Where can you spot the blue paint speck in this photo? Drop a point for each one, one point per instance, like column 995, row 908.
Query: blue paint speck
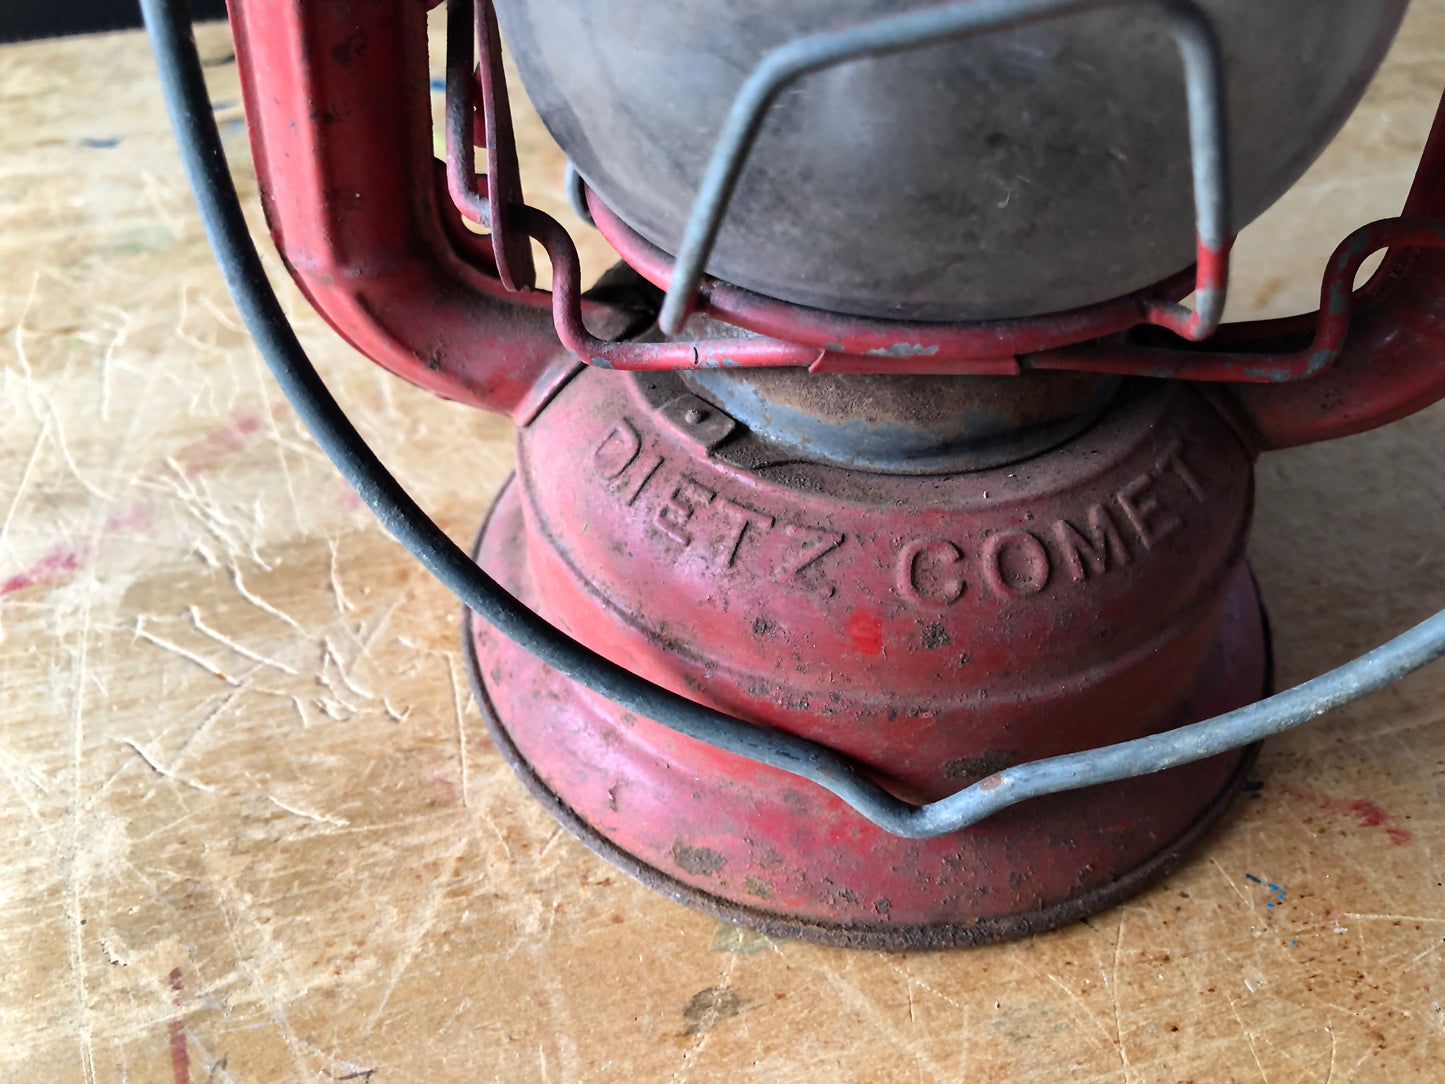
column 438, row 85
column 1278, row 891
column 226, row 103
column 101, row 144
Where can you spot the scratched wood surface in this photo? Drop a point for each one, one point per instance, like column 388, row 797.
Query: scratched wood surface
column 253, row 830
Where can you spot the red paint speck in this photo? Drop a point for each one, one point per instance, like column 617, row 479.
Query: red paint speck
column 131, row 519
column 865, row 633
column 1365, row 812
column 218, row 444
column 55, row 567
column 63, row 560
column 445, row 784
column 180, row 1056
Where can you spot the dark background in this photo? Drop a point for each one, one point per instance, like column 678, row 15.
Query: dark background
column 22, row 19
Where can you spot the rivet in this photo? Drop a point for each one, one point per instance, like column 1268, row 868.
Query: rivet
column 695, row 415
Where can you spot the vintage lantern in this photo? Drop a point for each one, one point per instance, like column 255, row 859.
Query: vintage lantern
column 873, row 570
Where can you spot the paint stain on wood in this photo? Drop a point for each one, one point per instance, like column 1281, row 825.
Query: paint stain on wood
column 221, row 442
column 708, row 1008
column 55, row 567
column 1366, row 813
column 180, row 1056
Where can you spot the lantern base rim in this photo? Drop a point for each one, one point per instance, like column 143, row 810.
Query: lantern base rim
column 882, row 935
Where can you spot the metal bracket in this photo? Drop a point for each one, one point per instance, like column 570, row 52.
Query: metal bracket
column 1086, row 339
column 1199, row 49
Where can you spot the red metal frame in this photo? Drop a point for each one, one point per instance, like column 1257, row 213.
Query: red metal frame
column 488, row 124
column 1392, row 361
column 342, row 144
column 340, row 126
column 842, row 343
column 932, row 628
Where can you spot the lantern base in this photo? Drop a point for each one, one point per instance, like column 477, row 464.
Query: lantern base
column 1119, row 837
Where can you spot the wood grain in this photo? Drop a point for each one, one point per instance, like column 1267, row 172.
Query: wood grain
column 254, row 831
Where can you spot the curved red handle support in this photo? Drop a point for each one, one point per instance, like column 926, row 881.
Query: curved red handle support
column 336, row 98
column 1392, row 362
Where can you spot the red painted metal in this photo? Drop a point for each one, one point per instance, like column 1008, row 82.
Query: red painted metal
column 934, row 629
column 1077, row 341
column 1211, row 278
column 492, row 125
column 1411, row 301
column 352, row 202
column 567, row 313
column 856, row 344
column 340, row 124
column 1393, row 361
column 931, row 627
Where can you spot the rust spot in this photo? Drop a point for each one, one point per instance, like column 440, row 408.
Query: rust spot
column 352, row 45
column 767, row 857
column 756, row 886
column 986, row 763
column 936, row 636
column 699, row 861
column 797, row 802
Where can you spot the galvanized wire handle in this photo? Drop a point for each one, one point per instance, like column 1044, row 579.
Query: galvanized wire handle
column 184, row 88
column 1199, row 49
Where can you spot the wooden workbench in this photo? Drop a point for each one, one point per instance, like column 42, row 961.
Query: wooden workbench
column 253, row 830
